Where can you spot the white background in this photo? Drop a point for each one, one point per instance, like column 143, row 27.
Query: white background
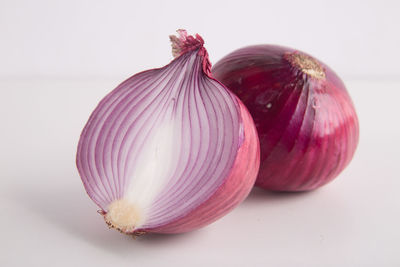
column 59, row 58
column 81, row 38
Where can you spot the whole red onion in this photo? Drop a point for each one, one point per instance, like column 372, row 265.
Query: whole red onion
column 306, row 121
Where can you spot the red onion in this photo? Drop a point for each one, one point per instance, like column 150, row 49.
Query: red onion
column 306, row 121
column 170, row 149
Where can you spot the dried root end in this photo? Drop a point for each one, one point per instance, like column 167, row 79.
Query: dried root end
column 306, row 64
column 122, row 216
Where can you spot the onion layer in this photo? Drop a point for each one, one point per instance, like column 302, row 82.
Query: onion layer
column 170, row 149
column 306, row 121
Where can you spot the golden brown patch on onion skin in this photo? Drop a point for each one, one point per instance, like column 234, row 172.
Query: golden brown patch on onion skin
column 306, row 64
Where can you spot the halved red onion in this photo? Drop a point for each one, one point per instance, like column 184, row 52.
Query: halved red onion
column 306, row 121
column 170, row 149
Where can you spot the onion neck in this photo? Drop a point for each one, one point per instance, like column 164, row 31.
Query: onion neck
column 184, row 43
column 306, row 64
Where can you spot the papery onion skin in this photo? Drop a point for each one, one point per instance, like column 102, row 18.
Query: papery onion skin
column 186, row 107
column 306, row 121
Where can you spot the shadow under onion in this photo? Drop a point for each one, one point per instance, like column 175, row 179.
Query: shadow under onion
column 70, row 210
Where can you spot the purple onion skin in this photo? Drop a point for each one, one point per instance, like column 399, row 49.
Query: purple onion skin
column 306, row 121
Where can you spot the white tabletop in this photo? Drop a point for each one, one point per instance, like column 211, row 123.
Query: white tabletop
column 48, row 220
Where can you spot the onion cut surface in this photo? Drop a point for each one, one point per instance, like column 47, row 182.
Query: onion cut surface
column 170, row 149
